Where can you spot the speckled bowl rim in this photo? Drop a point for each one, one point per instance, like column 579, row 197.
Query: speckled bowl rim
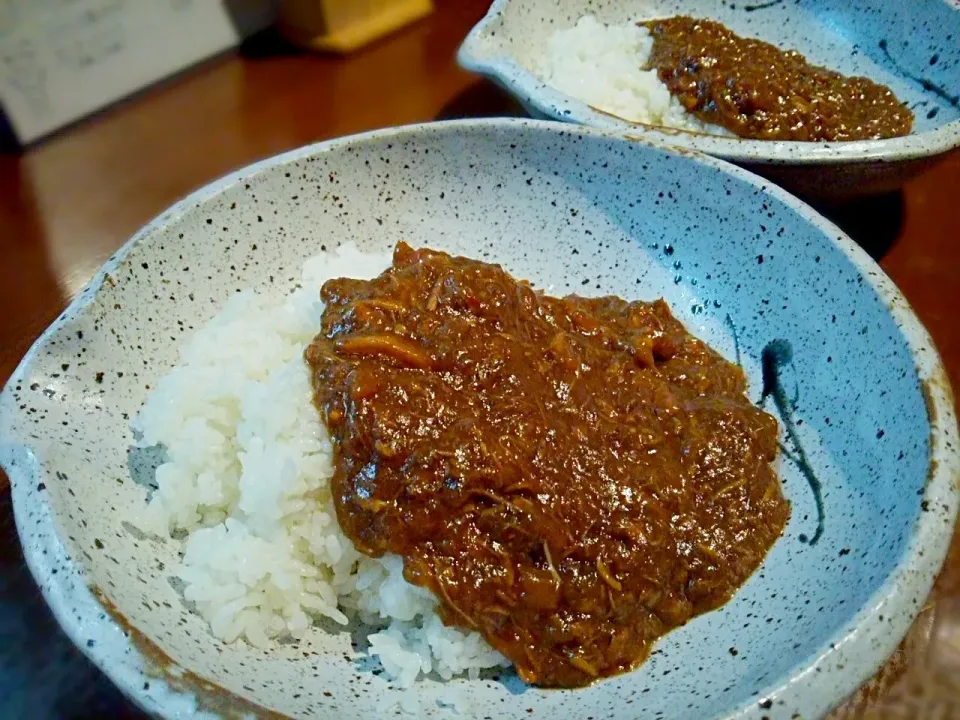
column 852, row 655
column 552, row 103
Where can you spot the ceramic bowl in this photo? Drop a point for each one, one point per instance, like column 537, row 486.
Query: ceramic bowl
column 744, row 265
column 912, row 47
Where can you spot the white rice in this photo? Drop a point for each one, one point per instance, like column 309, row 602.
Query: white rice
column 602, row 66
column 247, row 480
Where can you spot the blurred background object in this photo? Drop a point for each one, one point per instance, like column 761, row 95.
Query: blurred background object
column 63, row 59
column 345, row 25
column 67, row 203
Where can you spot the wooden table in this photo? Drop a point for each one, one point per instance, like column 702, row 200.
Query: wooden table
column 68, row 203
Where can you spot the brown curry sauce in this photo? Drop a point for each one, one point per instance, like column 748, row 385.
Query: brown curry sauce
column 571, row 477
column 756, row 90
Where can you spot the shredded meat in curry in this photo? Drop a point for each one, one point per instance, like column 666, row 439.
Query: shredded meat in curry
column 570, row 477
column 756, row 90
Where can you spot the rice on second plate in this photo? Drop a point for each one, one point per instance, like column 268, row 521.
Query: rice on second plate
column 602, row 66
column 247, row 479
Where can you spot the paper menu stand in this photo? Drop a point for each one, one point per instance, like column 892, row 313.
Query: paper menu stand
column 63, row 59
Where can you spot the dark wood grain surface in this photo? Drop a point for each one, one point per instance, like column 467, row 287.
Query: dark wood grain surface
column 69, row 202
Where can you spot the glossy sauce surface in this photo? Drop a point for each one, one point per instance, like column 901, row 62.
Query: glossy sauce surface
column 570, row 477
column 756, row 90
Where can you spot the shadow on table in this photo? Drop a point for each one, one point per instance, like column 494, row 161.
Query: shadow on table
column 482, row 99
column 873, row 222
column 267, row 44
column 42, row 675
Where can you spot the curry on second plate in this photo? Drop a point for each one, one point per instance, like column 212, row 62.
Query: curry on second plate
column 756, row 90
column 570, row 477
column 698, row 75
